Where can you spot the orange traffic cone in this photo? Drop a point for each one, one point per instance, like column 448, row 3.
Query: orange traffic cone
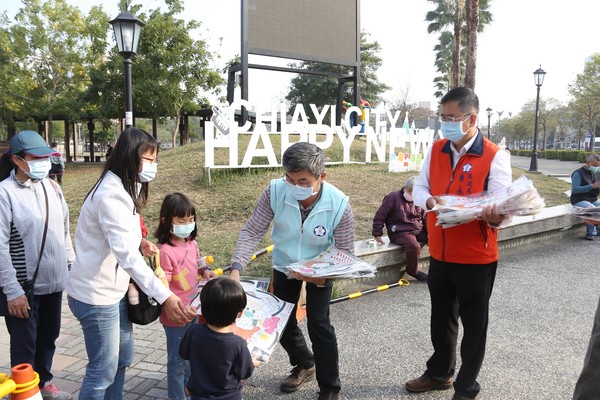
column 27, row 381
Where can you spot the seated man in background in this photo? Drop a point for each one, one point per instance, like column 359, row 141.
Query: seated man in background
column 405, row 224
column 585, row 188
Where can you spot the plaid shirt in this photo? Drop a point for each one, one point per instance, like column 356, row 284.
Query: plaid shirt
column 258, row 225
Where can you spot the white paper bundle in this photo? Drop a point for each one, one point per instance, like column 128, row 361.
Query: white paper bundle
column 520, row 198
column 591, row 213
column 332, row 263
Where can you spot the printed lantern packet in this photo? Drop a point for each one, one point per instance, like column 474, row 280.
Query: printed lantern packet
column 262, row 321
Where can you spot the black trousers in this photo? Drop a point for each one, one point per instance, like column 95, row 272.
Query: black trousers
column 32, row 340
column 320, row 331
column 459, row 290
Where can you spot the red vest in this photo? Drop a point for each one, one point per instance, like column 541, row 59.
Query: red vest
column 474, row 242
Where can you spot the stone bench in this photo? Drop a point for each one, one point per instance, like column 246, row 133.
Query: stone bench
column 552, row 223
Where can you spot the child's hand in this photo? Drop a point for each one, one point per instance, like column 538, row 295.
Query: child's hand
column 256, row 361
column 209, row 274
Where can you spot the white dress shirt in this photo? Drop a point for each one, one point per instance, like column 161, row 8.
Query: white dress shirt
column 500, row 172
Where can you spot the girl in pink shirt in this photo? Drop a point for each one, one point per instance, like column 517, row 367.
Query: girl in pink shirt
column 179, row 256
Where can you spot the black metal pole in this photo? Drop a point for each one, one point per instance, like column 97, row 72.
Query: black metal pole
column 533, row 165
column 128, row 94
column 489, row 117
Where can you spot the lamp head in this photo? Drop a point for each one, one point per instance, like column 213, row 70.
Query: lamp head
column 127, row 33
column 538, row 76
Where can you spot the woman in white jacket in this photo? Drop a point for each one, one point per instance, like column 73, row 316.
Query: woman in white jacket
column 107, row 242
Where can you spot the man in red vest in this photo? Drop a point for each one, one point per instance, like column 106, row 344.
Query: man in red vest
column 463, row 258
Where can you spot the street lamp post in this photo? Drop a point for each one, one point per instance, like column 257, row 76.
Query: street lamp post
column 538, row 76
column 127, row 34
column 489, row 113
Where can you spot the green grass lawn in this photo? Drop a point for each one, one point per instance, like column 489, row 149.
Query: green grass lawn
column 224, row 207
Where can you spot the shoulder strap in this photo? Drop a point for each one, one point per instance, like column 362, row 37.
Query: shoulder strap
column 37, row 268
column 54, row 186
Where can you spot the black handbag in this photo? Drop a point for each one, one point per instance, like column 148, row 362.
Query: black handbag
column 28, row 284
column 141, row 308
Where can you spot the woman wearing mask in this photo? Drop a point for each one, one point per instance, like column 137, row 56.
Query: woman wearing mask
column 35, row 251
column 108, row 239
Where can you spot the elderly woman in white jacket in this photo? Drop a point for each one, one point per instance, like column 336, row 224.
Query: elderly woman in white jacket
column 107, row 242
column 29, row 201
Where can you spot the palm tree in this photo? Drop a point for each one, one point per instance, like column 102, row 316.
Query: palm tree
column 443, row 63
column 451, row 13
column 472, row 28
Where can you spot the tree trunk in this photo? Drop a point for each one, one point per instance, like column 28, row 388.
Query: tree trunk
column 49, row 129
column 460, row 5
column 472, row 27
column 175, row 129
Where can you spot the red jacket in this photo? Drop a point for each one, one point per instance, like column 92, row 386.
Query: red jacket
column 474, row 242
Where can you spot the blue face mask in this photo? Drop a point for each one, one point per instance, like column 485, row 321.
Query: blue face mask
column 183, row 231
column 148, row 171
column 300, row 192
column 38, row 169
column 593, row 169
column 452, row 130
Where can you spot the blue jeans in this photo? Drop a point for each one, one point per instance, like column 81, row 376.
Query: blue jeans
column 591, row 229
column 108, row 335
column 178, row 369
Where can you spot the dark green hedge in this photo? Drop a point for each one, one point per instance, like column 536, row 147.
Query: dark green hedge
column 563, row 155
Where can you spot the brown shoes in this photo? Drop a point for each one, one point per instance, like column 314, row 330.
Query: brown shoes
column 425, row 384
column 298, row 376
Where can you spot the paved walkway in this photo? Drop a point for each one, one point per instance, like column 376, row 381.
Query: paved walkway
column 555, row 168
column 541, row 317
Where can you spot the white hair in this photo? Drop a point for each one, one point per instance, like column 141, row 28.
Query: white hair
column 410, row 182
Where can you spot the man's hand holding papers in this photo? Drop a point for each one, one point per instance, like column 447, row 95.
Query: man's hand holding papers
column 520, row 198
column 329, row 264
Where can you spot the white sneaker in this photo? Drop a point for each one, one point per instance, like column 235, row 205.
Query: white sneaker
column 51, row 392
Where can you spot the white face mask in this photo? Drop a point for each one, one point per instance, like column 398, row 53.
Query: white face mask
column 148, row 171
column 408, row 196
column 39, row 168
column 300, row 192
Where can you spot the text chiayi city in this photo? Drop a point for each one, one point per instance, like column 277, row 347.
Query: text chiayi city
column 223, row 132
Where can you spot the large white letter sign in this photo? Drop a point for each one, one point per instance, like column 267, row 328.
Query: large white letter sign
column 259, row 133
column 377, row 141
column 326, row 130
column 217, row 140
column 223, row 132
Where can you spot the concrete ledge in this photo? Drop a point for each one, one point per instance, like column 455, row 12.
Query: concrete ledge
column 553, row 223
